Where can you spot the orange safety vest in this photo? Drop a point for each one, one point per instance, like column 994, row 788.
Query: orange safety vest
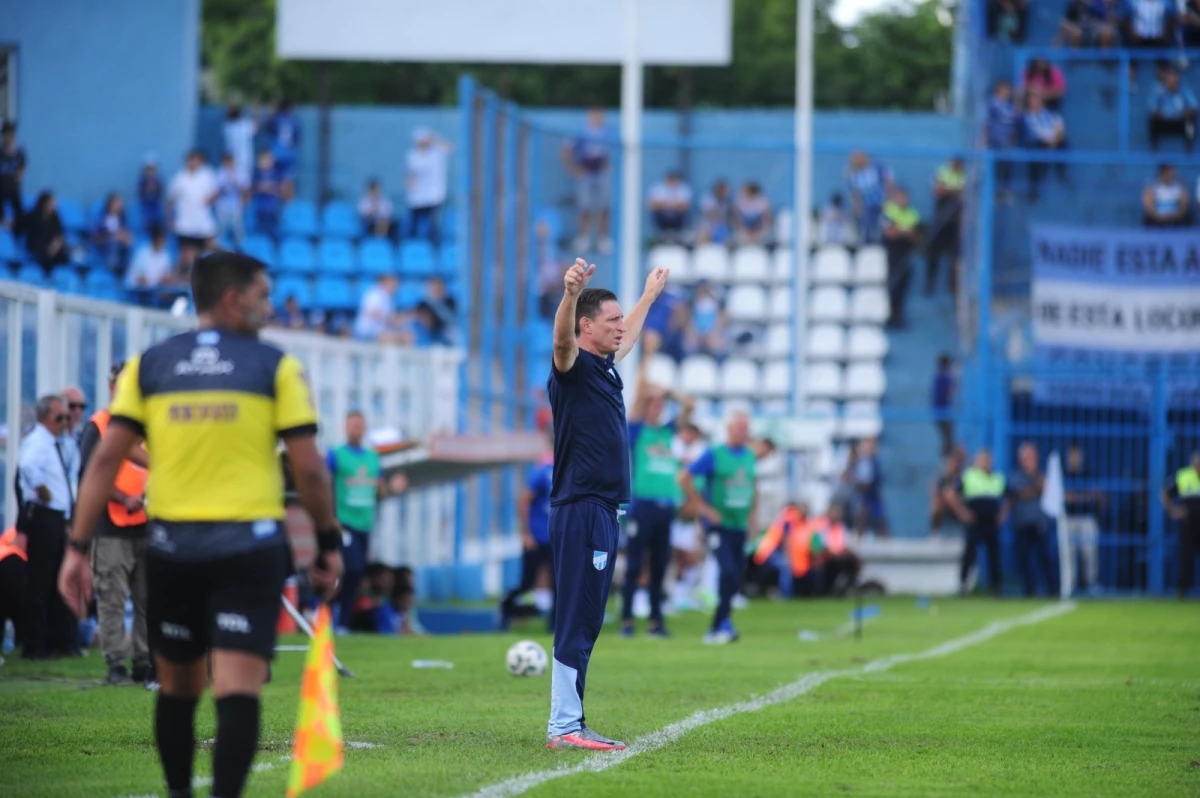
column 833, row 535
column 8, row 545
column 131, row 480
column 798, row 546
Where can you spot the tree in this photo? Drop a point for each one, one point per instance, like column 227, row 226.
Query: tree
column 895, row 58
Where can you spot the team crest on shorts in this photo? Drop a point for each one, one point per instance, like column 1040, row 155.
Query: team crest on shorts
column 599, row 560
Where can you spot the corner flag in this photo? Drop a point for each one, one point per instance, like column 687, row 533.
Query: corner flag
column 1054, row 506
column 317, row 752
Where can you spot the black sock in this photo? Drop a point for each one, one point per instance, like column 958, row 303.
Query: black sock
column 237, row 741
column 174, row 731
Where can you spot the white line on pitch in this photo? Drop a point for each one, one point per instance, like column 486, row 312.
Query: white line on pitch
column 596, row 763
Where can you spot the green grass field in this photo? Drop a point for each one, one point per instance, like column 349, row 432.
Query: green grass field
column 1103, row 700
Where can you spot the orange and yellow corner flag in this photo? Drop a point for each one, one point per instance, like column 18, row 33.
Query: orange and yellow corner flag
column 317, row 752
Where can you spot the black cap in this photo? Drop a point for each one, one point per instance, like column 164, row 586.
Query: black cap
column 115, row 371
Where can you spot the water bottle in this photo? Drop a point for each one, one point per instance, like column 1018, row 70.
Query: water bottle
column 9, row 638
column 432, row 663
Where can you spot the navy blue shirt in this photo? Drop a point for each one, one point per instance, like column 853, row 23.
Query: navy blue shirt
column 591, row 439
column 539, row 507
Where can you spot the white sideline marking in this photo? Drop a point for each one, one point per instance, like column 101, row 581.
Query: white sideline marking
column 668, row 734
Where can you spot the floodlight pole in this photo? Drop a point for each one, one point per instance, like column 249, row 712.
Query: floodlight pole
column 631, row 172
column 805, row 14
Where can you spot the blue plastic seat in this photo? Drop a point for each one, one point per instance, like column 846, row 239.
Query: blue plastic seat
column 449, row 222
column 72, row 214
column 296, row 255
column 292, row 285
column 261, row 247
column 33, row 274
column 409, row 295
column 340, row 219
column 334, row 293
column 66, row 280
column 8, row 247
column 417, row 259
column 447, row 265
column 376, row 256
column 299, row 218
column 336, row 256
column 98, row 279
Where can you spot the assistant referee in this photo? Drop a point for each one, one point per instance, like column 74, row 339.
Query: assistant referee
column 211, row 405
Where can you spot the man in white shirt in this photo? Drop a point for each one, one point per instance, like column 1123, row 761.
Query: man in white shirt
column 191, row 196
column 151, row 266
column 374, row 319
column 426, row 171
column 670, row 202
column 376, row 212
column 47, row 496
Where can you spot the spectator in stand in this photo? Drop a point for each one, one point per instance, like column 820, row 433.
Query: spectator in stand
column 151, row 265
column 1007, row 20
column 45, row 238
column 231, row 193
column 111, row 234
column 376, row 312
column 834, row 226
column 901, row 234
column 675, row 337
column 1003, row 124
column 427, row 171
column 942, row 402
column 588, row 161
column 1147, row 25
column 751, row 216
column 867, row 478
column 284, row 128
column 869, row 182
column 239, row 130
column 1165, row 201
column 191, row 195
column 1044, row 130
column 670, row 204
column 292, row 316
column 706, row 334
column 1045, row 79
column 438, row 314
column 1190, row 23
column 1172, row 110
column 1088, row 23
column 266, row 194
column 12, row 168
column 151, row 194
column 948, row 189
column 377, row 213
column 716, row 215
column 551, row 271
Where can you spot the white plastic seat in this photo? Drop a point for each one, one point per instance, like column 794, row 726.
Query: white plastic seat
column 778, row 341
column 747, row 303
column 675, row 258
column 784, row 223
column 817, row 494
column 867, row 342
column 822, row 408
column 870, row 305
column 828, row 303
column 777, row 378
column 751, row 264
column 823, row 380
column 775, row 408
column 865, row 381
column 711, row 262
column 831, row 265
column 827, row 342
column 781, row 304
column 783, row 265
column 860, row 419
column 663, row 371
column 698, row 376
column 870, row 266
column 740, row 378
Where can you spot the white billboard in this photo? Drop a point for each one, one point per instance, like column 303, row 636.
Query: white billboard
column 671, row 32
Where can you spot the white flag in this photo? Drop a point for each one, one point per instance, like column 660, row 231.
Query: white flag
column 1053, row 501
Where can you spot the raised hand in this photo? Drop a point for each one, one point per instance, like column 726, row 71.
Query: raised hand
column 578, row 275
column 656, row 281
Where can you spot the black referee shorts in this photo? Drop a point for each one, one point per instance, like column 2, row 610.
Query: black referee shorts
column 230, row 604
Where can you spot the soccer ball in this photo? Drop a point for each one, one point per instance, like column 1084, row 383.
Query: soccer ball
column 526, row 658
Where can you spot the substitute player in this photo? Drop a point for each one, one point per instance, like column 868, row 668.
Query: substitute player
column 591, row 481
column 533, row 511
column 211, row 404
column 729, row 512
column 655, row 490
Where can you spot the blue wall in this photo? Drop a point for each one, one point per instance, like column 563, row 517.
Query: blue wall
column 99, row 84
column 371, row 142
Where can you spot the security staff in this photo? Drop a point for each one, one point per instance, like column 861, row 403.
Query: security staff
column 1181, row 498
column 901, row 232
column 48, row 494
column 211, row 405
column 119, row 556
column 981, row 501
column 947, row 191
